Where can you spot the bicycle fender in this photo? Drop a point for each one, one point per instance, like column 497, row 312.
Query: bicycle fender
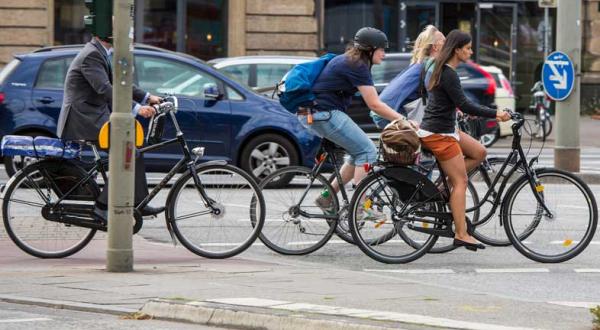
column 405, row 180
column 212, row 162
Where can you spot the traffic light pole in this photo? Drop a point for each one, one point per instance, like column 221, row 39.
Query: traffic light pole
column 568, row 40
column 122, row 151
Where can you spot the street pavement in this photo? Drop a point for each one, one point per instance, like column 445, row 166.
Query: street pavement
column 337, row 284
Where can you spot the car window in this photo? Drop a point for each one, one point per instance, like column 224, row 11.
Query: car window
column 388, row 69
column 233, row 95
column 465, row 72
column 240, row 73
column 52, row 73
column 270, row 74
column 164, row 76
column 8, row 69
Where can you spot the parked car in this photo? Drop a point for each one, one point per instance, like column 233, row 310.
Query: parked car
column 479, row 85
column 239, row 125
column 258, row 72
column 504, row 97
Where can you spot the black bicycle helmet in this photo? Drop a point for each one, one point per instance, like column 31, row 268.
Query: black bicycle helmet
column 369, row 39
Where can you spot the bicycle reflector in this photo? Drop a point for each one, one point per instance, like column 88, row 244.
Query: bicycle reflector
column 104, row 135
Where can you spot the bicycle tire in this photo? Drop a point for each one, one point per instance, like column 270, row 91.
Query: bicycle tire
column 234, row 199
column 359, row 231
column 287, row 232
column 547, row 239
column 65, row 239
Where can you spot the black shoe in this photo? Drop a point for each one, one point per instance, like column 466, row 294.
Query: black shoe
column 467, row 245
column 149, row 210
column 100, row 214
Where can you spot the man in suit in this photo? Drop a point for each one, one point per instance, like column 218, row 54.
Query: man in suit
column 87, row 105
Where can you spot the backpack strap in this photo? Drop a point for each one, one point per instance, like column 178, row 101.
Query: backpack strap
column 422, row 90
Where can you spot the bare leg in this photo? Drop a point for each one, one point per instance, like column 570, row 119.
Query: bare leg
column 457, row 174
column 473, row 151
column 347, row 172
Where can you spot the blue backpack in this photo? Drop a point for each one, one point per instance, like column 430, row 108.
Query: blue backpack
column 295, row 88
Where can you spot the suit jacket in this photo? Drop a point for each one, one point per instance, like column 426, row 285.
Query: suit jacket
column 87, row 101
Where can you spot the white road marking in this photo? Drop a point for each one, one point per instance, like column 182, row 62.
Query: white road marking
column 38, row 319
column 362, row 313
column 512, row 270
column 413, row 271
column 578, row 304
column 587, row 270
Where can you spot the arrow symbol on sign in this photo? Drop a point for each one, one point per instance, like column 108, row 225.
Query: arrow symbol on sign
column 560, row 78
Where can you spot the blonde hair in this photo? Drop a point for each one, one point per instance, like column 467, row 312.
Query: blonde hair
column 423, row 44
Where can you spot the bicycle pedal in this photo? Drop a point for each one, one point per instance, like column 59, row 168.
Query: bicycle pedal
column 150, row 217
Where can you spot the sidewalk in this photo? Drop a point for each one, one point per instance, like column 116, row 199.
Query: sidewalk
column 249, row 293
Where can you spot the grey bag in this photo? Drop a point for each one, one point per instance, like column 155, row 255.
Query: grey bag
column 415, row 110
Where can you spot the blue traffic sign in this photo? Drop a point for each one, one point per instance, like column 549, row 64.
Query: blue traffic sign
column 558, row 76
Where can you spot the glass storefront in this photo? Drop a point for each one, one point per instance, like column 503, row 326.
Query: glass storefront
column 509, row 35
column 196, row 27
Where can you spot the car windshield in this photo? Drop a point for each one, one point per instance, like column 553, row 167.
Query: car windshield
column 386, row 71
column 234, row 78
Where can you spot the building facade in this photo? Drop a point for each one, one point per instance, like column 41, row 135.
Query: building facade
column 507, row 33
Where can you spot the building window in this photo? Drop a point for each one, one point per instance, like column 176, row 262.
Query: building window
column 206, row 28
column 68, row 22
column 159, row 26
column 344, row 17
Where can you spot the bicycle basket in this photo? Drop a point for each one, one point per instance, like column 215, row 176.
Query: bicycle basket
column 156, row 129
column 400, row 143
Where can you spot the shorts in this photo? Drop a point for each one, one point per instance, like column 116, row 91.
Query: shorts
column 443, row 147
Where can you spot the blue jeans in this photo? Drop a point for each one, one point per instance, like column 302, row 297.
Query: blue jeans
column 341, row 130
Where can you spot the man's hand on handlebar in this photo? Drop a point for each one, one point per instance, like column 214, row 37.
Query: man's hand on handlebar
column 146, row 111
column 153, row 99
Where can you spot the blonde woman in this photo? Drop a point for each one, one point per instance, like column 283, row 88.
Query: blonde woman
column 404, row 88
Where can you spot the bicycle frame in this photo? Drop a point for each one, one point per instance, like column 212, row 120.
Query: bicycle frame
column 328, row 153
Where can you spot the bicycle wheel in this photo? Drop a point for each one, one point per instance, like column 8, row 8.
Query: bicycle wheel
column 287, row 230
column 29, row 191
column 209, row 234
column 560, row 235
column 384, row 238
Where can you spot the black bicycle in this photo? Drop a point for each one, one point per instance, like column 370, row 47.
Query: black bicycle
column 214, row 209
column 295, row 224
column 549, row 215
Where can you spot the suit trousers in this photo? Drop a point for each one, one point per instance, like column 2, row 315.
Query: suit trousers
column 141, row 185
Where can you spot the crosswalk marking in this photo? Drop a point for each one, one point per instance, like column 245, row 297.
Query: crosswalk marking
column 587, row 270
column 512, row 270
column 413, row 271
column 36, row 319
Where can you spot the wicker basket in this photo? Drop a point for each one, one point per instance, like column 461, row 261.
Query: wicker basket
column 400, row 155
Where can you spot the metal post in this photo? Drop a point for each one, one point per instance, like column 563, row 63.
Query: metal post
column 568, row 40
column 546, row 30
column 121, row 152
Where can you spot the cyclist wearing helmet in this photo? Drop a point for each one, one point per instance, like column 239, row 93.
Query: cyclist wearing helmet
column 341, row 78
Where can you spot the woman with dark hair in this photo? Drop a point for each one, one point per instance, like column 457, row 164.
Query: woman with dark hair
column 456, row 152
column 341, row 78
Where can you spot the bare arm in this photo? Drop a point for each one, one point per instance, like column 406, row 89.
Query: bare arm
column 369, row 94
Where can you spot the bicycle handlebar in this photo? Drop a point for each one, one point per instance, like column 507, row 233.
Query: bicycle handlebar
column 168, row 104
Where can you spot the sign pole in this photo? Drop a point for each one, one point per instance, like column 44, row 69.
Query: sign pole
column 568, row 40
column 122, row 147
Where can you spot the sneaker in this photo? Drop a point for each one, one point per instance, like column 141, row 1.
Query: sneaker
column 325, row 204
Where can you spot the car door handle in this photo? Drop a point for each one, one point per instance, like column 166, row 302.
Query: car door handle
column 46, row 99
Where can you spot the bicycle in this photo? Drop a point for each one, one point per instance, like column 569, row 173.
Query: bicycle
column 418, row 211
column 294, row 224
column 213, row 209
column 539, row 106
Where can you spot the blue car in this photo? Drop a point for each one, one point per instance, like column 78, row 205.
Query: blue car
column 236, row 124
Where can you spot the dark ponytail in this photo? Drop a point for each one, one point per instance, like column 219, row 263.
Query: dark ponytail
column 456, row 39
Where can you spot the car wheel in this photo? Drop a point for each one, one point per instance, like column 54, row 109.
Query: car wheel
column 266, row 154
column 14, row 164
column 488, row 140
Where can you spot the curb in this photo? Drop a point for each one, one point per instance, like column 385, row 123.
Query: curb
column 249, row 313
column 69, row 305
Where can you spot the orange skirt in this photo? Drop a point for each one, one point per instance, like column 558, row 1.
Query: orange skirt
column 443, row 147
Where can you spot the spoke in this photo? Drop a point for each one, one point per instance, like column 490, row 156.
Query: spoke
column 257, row 154
column 273, row 148
column 191, row 215
column 19, row 201
column 282, row 161
column 259, row 170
